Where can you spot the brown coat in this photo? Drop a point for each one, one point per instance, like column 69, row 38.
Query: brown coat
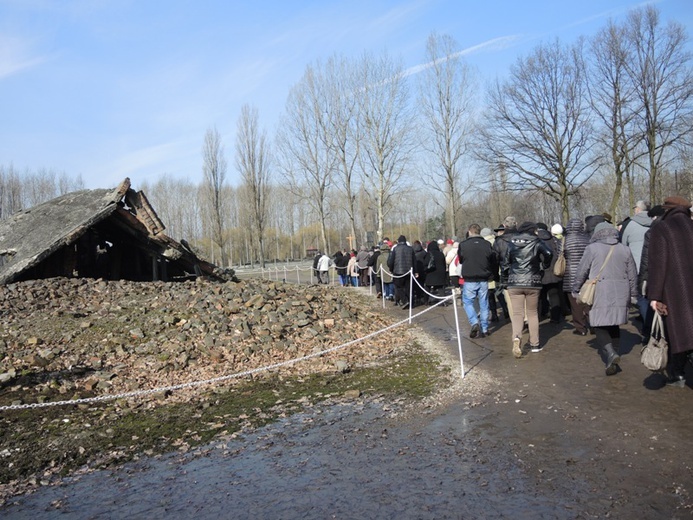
column 670, row 275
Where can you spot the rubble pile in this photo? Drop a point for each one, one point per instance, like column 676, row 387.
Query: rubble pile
column 65, row 338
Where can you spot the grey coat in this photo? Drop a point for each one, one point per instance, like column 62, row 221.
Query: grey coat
column 634, row 235
column 617, row 283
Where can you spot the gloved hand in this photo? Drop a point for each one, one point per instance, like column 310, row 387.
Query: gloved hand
column 633, row 300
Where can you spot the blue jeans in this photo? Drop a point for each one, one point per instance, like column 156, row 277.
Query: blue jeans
column 478, row 291
column 643, row 305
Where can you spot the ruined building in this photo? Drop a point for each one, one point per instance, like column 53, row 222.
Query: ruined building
column 106, row 233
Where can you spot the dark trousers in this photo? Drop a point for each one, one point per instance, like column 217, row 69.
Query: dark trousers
column 419, row 288
column 580, row 313
column 364, row 276
column 550, row 301
column 608, row 334
column 494, row 294
column 677, row 362
column 401, row 289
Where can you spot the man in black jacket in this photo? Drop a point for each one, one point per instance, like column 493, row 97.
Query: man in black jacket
column 400, row 262
column 478, row 261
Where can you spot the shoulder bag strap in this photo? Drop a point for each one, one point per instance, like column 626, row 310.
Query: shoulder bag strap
column 606, row 261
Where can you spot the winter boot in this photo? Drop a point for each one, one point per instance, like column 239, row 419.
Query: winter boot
column 612, row 359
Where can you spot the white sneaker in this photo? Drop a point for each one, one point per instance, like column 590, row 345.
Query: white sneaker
column 517, row 351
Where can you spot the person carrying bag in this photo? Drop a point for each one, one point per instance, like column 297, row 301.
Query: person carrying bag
column 586, row 294
column 615, row 270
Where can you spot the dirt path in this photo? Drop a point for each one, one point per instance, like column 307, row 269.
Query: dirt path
column 546, row 436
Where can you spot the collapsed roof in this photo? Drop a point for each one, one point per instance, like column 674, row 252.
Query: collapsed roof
column 106, row 233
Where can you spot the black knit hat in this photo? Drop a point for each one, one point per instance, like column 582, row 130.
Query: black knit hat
column 527, row 227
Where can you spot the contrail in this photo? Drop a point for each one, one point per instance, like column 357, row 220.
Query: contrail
column 501, row 42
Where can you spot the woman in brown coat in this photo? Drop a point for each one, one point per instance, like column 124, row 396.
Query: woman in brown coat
column 670, row 282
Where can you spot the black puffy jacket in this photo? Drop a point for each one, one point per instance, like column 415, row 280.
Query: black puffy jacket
column 524, row 261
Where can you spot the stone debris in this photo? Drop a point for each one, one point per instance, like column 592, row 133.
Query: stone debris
column 90, row 337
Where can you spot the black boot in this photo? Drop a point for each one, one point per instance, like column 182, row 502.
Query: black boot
column 676, row 380
column 612, row 359
column 677, row 370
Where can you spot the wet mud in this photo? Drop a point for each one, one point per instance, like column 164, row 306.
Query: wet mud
column 545, row 436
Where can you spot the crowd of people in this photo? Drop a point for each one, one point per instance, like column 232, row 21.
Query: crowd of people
column 641, row 261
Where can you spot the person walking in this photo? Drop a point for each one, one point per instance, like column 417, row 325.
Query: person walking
column 495, row 298
column 454, row 267
column 670, row 282
column 525, row 258
column 324, row 264
column 372, row 273
column 421, row 259
column 401, row 263
column 655, row 213
column 341, row 262
column 362, row 263
column 383, row 272
column 436, row 278
column 574, row 244
column 633, row 236
column 478, row 261
column 353, row 269
column 316, row 259
column 551, row 292
column 612, row 263
column 504, row 234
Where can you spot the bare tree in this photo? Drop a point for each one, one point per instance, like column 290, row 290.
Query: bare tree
column 252, row 161
column 387, row 124
column 342, row 91
column 29, row 188
column 660, row 70
column 214, row 170
column 177, row 205
column 538, row 123
column 614, row 103
column 305, row 144
column 445, row 98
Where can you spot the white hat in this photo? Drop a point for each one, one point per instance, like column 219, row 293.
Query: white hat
column 440, row 242
column 556, row 229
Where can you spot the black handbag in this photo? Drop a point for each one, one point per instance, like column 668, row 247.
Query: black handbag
column 431, row 264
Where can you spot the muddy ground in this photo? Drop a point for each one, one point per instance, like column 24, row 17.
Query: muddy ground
column 545, row 436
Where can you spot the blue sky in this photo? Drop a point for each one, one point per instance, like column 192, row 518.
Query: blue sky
column 109, row 89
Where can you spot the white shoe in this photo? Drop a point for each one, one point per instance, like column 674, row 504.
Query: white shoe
column 517, row 350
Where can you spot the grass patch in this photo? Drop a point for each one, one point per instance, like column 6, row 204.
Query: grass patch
column 36, row 444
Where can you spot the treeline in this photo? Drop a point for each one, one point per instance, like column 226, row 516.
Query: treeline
column 367, row 149
column 25, row 189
